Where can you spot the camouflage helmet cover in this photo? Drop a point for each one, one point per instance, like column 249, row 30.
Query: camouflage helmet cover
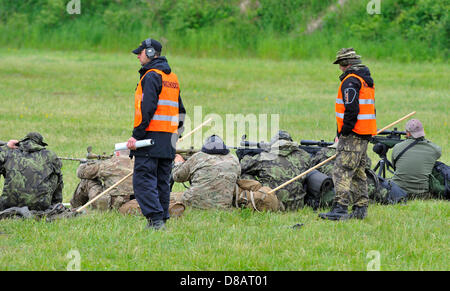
column 281, row 135
column 36, row 137
column 347, row 56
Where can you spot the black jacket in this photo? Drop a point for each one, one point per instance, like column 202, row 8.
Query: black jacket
column 164, row 146
column 351, row 86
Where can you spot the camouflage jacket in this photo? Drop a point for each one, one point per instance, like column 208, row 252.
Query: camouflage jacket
column 284, row 161
column 212, row 177
column 98, row 176
column 33, row 177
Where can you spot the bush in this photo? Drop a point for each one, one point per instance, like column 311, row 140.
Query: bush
column 232, row 27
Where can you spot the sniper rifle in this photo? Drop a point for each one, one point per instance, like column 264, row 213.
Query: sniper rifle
column 89, row 156
column 313, row 146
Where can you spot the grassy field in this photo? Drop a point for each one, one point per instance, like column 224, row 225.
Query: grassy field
column 76, row 99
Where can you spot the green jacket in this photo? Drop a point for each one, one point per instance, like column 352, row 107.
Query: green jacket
column 414, row 167
column 32, row 175
column 284, row 161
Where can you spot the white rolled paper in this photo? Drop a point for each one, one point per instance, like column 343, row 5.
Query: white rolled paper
column 139, row 144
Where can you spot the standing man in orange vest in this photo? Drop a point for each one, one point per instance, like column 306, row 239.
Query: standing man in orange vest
column 356, row 123
column 158, row 115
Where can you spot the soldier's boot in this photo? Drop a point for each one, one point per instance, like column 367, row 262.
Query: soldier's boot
column 338, row 212
column 359, row 212
column 156, row 224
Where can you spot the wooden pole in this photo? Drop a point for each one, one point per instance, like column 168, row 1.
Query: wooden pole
column 334, row 156
column 131, row 173
column 194, row 130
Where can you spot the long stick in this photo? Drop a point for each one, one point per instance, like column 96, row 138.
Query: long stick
column 334, row 156
column 194, row 130
column 131, row 173
column 395, row 122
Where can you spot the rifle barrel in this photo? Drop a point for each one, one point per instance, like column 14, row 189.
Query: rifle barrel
column 260, row 145
column 178, row 151
column 73, row 159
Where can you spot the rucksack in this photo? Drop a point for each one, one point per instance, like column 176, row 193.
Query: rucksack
column 251, row 194
column 395, row 194
column 440, row 180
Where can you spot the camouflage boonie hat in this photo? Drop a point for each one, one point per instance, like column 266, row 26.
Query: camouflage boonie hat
column 36, row 137
column 281, row 135
column 347, row 56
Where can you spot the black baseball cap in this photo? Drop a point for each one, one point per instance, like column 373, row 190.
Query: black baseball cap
column 148, row 43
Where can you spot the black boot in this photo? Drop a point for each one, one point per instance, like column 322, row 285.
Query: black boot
column 338, row 212
column 156, row 224
column 359, row 212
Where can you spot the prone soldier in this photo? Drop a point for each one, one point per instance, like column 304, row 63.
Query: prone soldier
column 98, row 176
column 33, row 176
column 212, row 172
column 277, row 164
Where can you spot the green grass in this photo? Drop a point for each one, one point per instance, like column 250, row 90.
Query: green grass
column 408, row 237
column 76, row 99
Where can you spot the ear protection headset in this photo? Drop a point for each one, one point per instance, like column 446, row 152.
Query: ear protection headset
column 149, row 51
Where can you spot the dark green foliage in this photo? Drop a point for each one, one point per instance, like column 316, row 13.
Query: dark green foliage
column 405, row 29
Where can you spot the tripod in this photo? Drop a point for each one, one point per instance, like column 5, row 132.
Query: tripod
column 383, row 164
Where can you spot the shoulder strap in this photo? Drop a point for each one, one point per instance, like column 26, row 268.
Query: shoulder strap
column 404, row 150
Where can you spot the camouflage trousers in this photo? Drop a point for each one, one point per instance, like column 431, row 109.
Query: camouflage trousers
column 39, row 202
column 349, row 177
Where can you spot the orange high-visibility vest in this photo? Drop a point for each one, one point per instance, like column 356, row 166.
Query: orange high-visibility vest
column 366, row 123
column 165, row 118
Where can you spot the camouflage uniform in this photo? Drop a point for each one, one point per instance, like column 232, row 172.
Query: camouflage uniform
column 32, row 174
column 98, row 176
column 284, row 161
column 356, row 122
column 349, row 177
column 212, row 177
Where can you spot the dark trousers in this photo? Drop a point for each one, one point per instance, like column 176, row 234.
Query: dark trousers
column 151, row 185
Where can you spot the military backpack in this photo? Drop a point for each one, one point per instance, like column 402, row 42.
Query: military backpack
column 440, row 180
column 251, row 194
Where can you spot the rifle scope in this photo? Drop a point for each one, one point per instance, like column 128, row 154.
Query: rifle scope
column 246, row 143
column 314, row 142
column 392, row 132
